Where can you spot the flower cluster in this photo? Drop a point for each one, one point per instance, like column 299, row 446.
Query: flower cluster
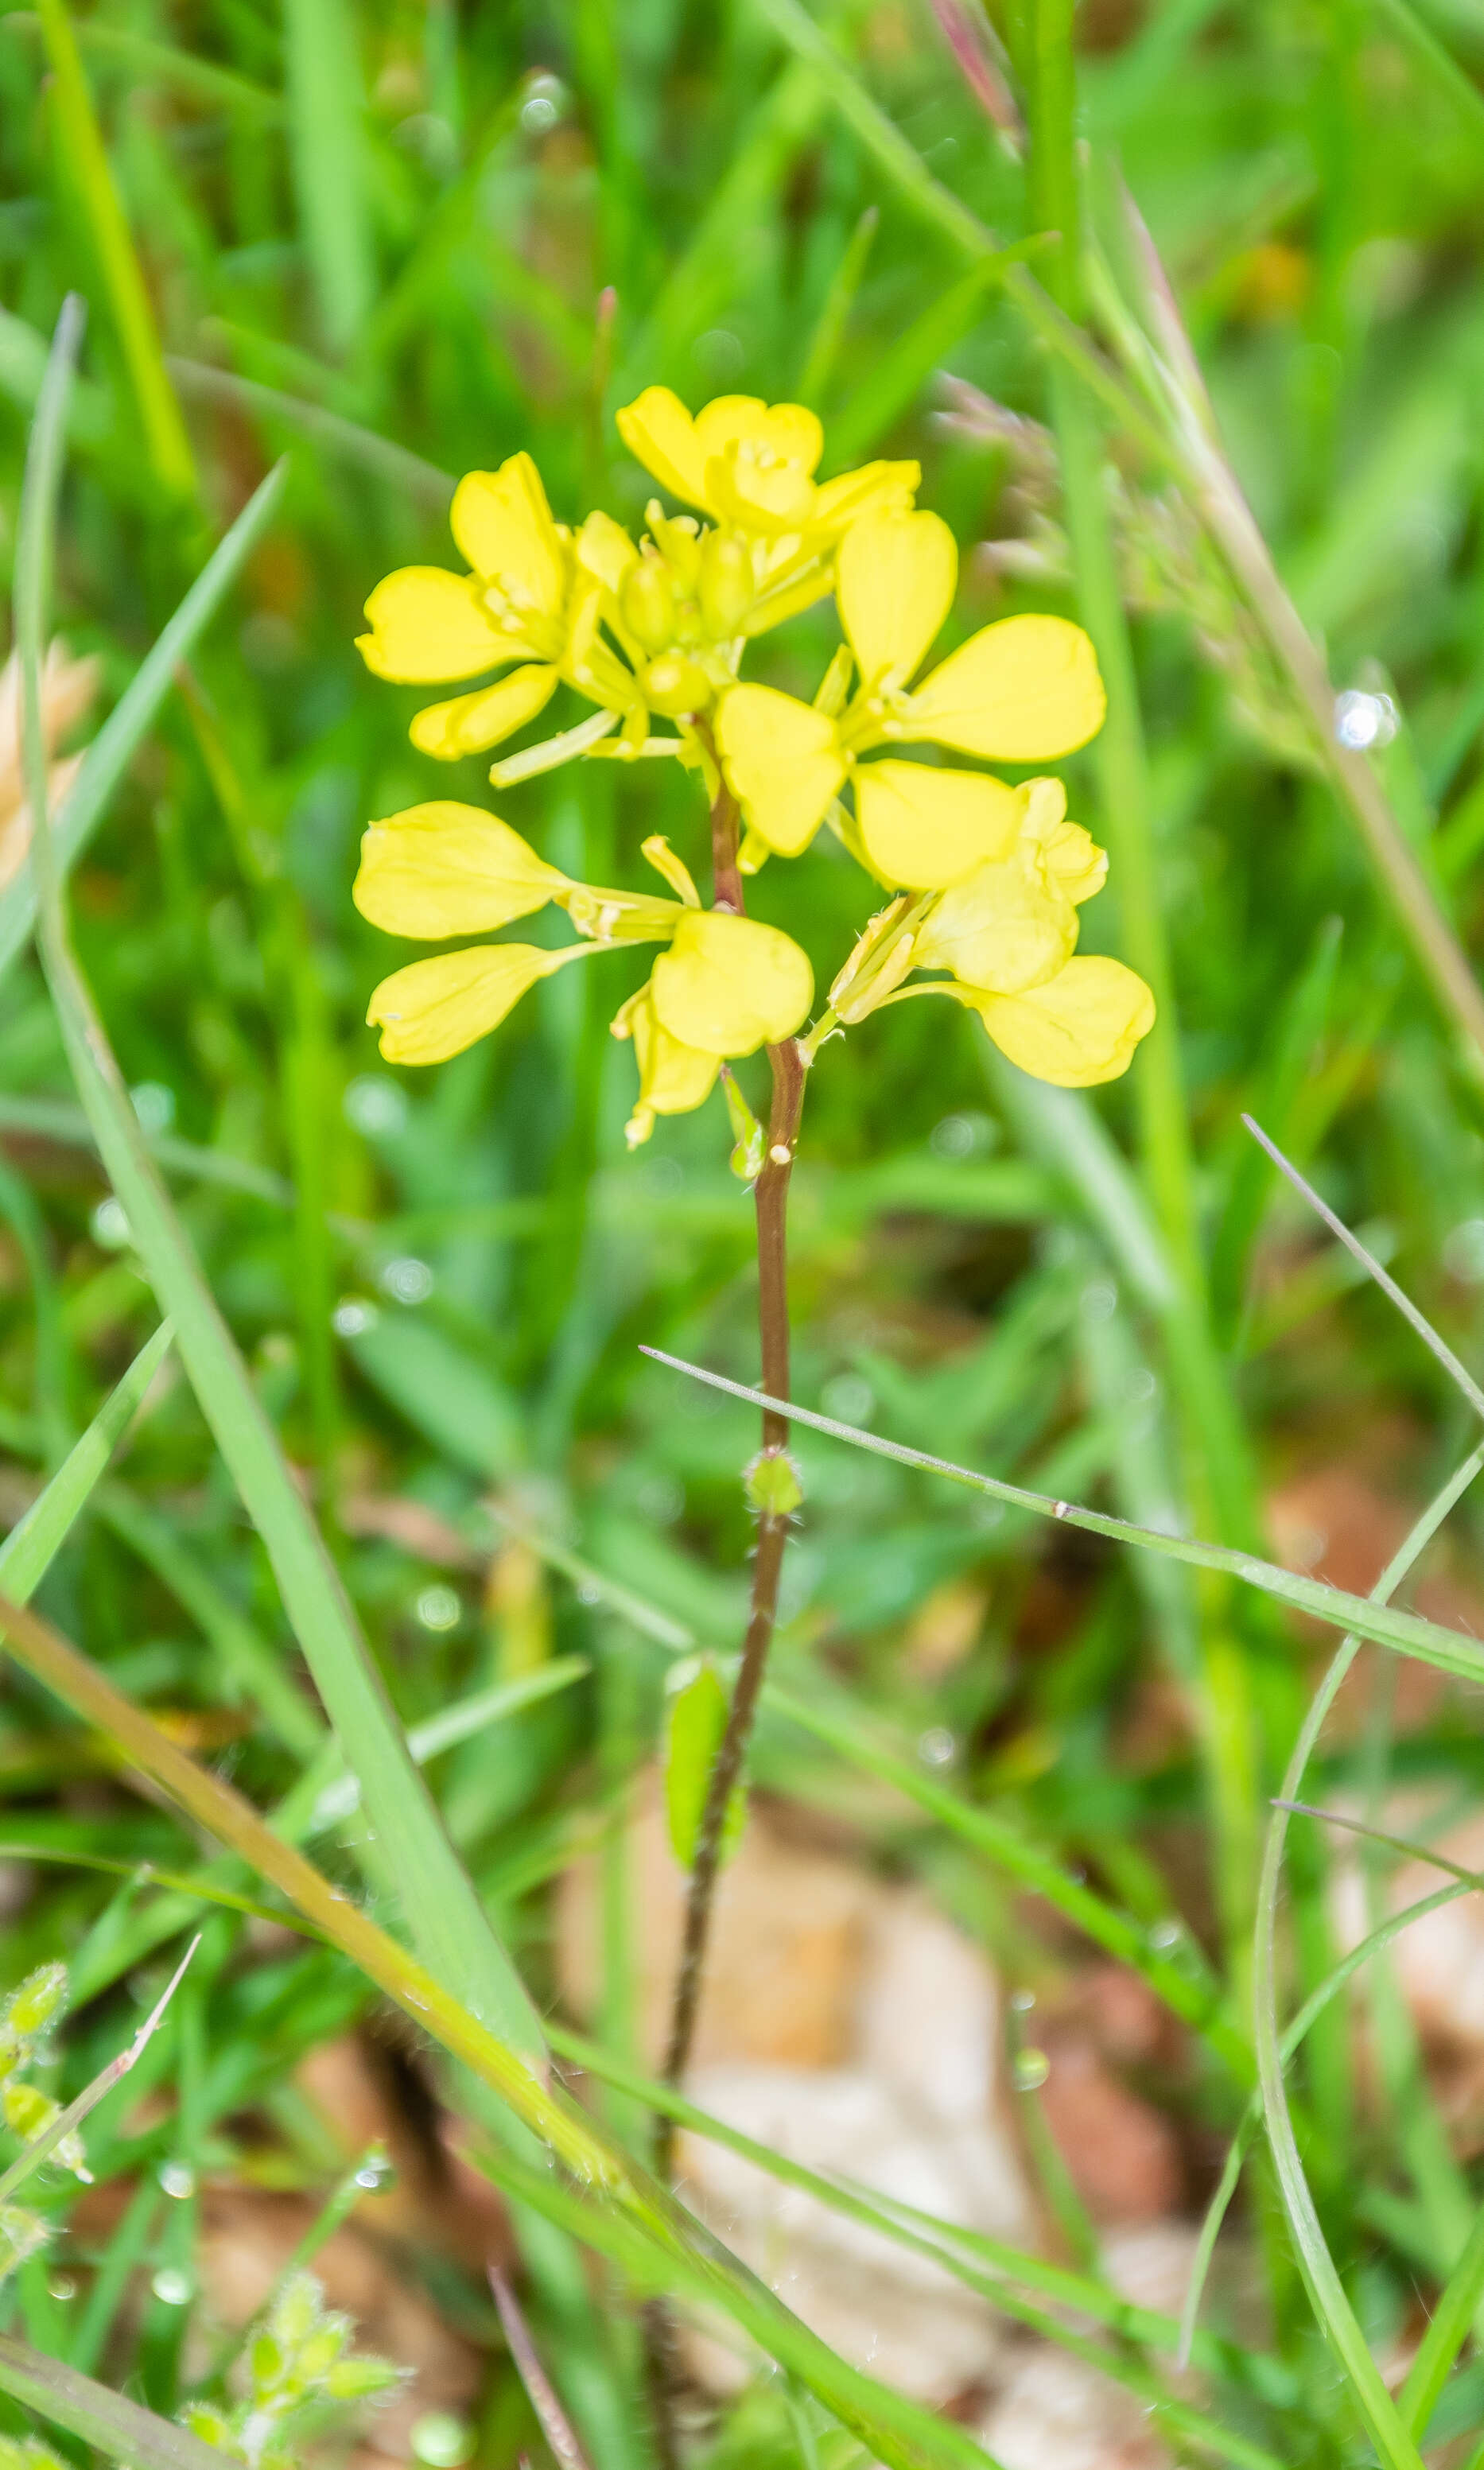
column 27, row 2111
column 297, row 2370
column 985, row 879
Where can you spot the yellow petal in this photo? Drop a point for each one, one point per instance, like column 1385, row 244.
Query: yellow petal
column 474, row 721
column 1007, row 927
column 1020, row 692
column 428, row 625
column 605, row 549
column 787, row 433
column 1079, row 1028
column 660, row 433
column 923, row 829
column 1071, row 855
column 783, row 763
column 729, row 985
column 875, row 489
column 503, row 527
column 758, row 497
column 673, row 1078
column 895, row 582
column 444, row 868
column 434, row 1008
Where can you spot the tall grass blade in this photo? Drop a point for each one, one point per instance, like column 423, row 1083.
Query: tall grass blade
column 1370, row 1616
column 121, row 2430
column 34, row 1542
column 86, row 164
column 327, row 148
column 122, row 733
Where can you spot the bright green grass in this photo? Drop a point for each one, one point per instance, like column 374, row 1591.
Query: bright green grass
column 377, row 240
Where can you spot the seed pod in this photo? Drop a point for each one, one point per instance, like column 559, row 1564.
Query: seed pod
column 38, row 2000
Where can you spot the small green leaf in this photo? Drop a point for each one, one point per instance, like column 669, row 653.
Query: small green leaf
column 747, row 1157
column 695, row 1720
column 772, row 1484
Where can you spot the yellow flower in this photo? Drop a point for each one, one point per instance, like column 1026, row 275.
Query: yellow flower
column 1019, row 691
column 533, row 595
column 726, row 986
column 751, row 467
column 1008, row 933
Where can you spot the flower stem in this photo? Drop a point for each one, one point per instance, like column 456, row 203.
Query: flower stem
column 789, row 1066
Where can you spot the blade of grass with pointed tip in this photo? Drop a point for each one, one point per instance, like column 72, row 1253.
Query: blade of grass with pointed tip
column 119, row 2429
column 88, row 166
column 32, row 1544
column 117, row 742
column 1369, row 1616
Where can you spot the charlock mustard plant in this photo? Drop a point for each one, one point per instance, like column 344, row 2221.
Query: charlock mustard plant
column 983, row 879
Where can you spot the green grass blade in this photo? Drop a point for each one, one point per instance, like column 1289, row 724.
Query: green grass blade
column 1370, row 1616
column 88, row 166
column 457, row 1723
column 834, row 316
column 1453, row 2320
column 117, row 742
column 327, row 148
column 1388, row 2430
column 32, row 1544
column 121, row 2430
column 442, row 1907
column 1190, row 1994
column 407, row 475
column 905, row 367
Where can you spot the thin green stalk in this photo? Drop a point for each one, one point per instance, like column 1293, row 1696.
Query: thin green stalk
column 1453, row 2320
column 82, row 146
column 119, row 2429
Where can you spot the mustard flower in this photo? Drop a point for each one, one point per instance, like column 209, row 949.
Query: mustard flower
column 1022, row 690
column 724, row 986
column 1006, row 933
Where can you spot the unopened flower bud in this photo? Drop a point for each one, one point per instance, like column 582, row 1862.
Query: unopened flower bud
column 773, row 1485
column 38, row 2000
column 673, row 685
column 725, row 583
column 648, row 603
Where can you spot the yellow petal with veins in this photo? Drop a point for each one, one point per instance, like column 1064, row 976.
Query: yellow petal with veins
column 729, row 985
column 1020, row 692
column 923, row 828
column 896, row 575
column 474, row 721
column 783, row 763
column 503, row 527
column 743, row 424
column 445, row 869
column 673, row 1079
column 1079, row 1028
column 1071, row 855
column 435, row 1008
column 428, row 625
column 1007, row 927
column 660, row 433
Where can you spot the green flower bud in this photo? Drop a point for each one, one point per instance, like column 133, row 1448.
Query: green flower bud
column 268, row 2364
column 647, row 599
column 297, row 2310
column 727, row 592
column 208, row 2425
column 357, row 2379
column 319, row 2353
column 773, row 1485
column 36, row 2001
column 27, row 2111
column 674, row 685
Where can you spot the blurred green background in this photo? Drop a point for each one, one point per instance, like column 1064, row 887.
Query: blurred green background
column 394, row 243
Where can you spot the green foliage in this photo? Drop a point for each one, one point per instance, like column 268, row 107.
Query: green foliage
column 296, row 2365
column 398, row 243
